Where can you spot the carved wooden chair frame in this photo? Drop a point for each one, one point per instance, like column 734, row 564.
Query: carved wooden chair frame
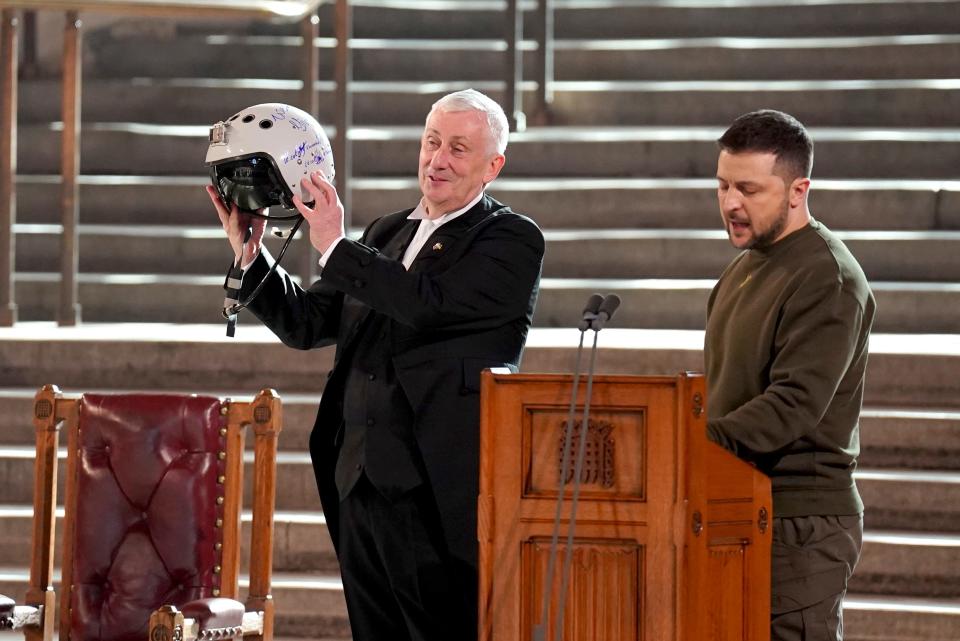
column 221, row 617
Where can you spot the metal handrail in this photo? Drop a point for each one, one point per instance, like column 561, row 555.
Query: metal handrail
column 289, row 10
column 543, row 65
column 8, row 161
column 69, row 308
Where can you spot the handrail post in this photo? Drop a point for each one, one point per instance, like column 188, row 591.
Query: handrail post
column 343, row 76
column 542, row 114
column 69, row 312
column 29, row 65
column 8, row 164
column 309, row 102
column 513, row 98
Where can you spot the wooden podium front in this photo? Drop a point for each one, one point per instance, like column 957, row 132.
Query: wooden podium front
column 672, row 538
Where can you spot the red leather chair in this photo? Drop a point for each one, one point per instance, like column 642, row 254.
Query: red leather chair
column 151, row 541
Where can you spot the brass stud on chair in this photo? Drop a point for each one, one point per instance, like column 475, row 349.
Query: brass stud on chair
column 221, row 479
column 219, row 523
column 221, row 455
column 224, row 409
column 216, row 591
column 218, row 546
column 216, row 569
column 223, row 431
column 219, row 500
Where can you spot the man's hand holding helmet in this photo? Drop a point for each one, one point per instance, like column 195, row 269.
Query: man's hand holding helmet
column 325, row 217
column 244, row 231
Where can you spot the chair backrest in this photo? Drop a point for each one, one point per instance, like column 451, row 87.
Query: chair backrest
column 146, row 510
column 152, row 507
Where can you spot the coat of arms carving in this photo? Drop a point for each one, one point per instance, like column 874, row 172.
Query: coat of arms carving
column 598, row 459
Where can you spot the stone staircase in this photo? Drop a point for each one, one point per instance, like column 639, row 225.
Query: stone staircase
column 621, row 185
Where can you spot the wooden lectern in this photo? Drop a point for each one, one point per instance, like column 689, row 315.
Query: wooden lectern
column 672, row 539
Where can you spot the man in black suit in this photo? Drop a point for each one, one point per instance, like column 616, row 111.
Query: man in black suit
column 424, row 301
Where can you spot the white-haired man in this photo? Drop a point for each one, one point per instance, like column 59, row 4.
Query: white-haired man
column 426, row 299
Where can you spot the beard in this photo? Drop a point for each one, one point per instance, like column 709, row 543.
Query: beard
column 767, row 237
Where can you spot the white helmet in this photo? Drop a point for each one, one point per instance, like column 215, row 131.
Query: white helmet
column 258, row 156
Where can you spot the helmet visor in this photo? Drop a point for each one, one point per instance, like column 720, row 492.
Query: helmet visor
column 251, row 183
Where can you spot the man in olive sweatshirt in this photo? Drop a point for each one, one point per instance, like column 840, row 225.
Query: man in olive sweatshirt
column 788, row 325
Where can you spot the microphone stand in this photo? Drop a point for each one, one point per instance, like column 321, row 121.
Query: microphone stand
column 594, row 317
column 589, row 314
column 577, row 484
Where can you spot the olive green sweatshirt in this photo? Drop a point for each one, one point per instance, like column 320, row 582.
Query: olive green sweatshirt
column 786, row 353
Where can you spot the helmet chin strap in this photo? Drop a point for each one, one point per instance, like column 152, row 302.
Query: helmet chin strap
column 234, row 280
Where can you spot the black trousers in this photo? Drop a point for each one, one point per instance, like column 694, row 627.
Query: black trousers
column 399, row 582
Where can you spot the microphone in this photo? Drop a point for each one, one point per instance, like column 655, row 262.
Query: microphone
column 605, row 311
column 590, row 311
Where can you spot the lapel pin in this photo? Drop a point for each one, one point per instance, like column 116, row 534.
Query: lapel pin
column 437, row 247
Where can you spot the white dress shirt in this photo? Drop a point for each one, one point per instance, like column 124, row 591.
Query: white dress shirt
column 426, row 228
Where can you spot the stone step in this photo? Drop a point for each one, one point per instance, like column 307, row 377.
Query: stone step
column 649, row 152
column 312, row 607
column 905, row 370
column 817, row 103
column 6, row 635
column 296, row 487
column 18, row 636
column 878, row 618
column 933, row 443
column 444, row 58
column 915, row 439
column 908, row 564
column 157, row 356
column 889, row 437
column 900, row 563
column 628, row 18
column 910, row 499
column 675, row 203
column 307, row 605
column 586, row 19
column 894, row 498
column 299, row 413
column 907, row 307
column 921, row 256
column 301, row 542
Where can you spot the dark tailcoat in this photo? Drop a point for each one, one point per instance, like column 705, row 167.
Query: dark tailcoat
column 466, row 304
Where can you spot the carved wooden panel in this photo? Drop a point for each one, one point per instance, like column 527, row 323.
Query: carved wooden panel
column 614, row 463
column 604, row 593
column 725, row 566
column 640, row 570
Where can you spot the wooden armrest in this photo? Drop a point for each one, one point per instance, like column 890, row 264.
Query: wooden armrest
column 205, row 620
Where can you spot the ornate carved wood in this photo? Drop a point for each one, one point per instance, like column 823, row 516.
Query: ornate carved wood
column 672, row 536
column 54, row 410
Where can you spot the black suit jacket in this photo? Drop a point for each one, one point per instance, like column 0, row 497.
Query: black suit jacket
column 466, row 304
